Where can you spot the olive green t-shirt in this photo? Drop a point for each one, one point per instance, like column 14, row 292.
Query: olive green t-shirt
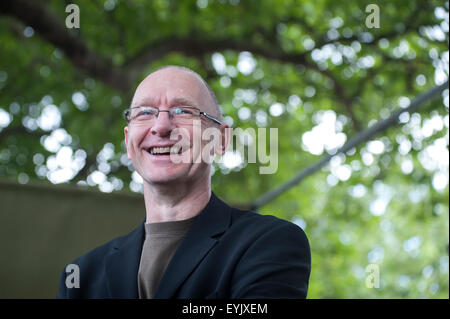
column 161, row 241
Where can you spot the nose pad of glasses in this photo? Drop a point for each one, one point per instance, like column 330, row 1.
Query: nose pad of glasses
column 162, row 126
column 168, row 113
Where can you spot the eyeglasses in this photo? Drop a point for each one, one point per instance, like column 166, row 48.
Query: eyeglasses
column 178, row 114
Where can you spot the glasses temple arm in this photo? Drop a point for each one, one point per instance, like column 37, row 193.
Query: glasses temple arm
column 210, row 117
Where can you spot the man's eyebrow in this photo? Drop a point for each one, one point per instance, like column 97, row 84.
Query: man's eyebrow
column 147, row 102
column 182, row 101
column 174, row 102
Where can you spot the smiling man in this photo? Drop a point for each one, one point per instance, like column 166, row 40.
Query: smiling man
column 191, row 245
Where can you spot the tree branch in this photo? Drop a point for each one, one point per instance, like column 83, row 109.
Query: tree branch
column 192, row 46
column 49, row 27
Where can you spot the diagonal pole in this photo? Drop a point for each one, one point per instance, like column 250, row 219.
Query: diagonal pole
column 356, row 140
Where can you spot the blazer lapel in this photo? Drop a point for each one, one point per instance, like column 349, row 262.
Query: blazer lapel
column 123, row 263
column 200, row 239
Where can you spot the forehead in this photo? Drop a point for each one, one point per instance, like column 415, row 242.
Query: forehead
column 171, row 86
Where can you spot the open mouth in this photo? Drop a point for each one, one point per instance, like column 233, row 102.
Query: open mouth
column 158, row 151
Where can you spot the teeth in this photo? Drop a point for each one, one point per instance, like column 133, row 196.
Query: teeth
column 162, row 150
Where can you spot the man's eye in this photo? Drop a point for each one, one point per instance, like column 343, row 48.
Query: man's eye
column 146, row 112
column 179, row 110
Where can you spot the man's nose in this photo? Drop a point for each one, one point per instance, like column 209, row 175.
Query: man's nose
column 163, row 124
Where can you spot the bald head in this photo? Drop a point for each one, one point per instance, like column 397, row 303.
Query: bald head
column 181, row 81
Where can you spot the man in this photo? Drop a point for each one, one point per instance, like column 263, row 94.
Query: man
column 191, row 245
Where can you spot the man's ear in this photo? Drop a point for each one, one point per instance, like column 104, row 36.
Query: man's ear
column 225, row 134
column 125, row 131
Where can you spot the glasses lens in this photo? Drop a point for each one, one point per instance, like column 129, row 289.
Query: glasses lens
column 146, row 114
column 184, row 115
column 143, row 113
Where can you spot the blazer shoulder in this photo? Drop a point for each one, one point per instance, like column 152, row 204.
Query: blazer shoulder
column 254, row 224
column 262, row 220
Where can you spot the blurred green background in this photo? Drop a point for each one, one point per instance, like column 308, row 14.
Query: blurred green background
column 312, row 69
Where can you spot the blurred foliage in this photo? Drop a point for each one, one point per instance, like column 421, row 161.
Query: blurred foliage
column 315, row 59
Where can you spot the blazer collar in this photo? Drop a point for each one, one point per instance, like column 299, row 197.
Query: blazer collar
column 213, row 221
column 122, row 264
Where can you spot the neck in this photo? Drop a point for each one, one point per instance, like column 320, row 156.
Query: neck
column 171, row 203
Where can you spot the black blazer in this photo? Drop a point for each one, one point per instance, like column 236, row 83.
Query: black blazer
column 227, row 253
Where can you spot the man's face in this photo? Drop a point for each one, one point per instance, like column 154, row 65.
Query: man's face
column 164, row 89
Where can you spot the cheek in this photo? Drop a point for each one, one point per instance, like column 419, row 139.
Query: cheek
column 184, row 136
column 135, row 138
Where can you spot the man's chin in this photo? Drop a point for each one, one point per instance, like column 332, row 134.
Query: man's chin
column 165, row 178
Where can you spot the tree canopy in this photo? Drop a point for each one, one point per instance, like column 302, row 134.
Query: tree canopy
column 313, row 70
